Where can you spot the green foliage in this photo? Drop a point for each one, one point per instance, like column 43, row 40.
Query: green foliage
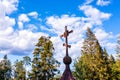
column 116, row 64
column 94, row 62
column 115, row 71
column 44, row 65
column 19, row 71
column 5, row 68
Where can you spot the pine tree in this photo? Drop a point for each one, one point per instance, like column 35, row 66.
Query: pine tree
column 93, row 62
column 44, row 65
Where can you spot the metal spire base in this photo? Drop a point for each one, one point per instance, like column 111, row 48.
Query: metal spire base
column 67, row 75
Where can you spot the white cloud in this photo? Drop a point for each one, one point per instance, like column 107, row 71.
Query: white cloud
column 88, row 1
column 20, row 42
column 20, row 25
column 10, row 22
column 103, row 2
column 59, row 49
column 8, row 6
column 6, row 23
column 98, row 2
column 4, row 43
column 33, row 14
column 58, row 23
column 25, row 37
column 16, row 41
column 32, row 27
column 94, row 15
column 102, row 35
column 104, row 38
column 23, row 18
column 7, row 32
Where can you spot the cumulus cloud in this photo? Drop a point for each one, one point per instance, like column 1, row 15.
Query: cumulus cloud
column 58, row 23
column 102, row 35
column 20, row 43
column 94, row 15
column 12, row 40
column 103, row 2
column 8, row 6
column 104, row 38
column 20, row 25
column 23, row 18
column 10, row 22
column 25, row 41
column 33, row 14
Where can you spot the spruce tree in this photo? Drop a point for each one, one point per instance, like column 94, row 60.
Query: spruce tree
column 86, row 63
column 44, row 65
column 93, row 62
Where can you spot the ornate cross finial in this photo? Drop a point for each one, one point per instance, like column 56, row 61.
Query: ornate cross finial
column 67, row 75
column 65, row 35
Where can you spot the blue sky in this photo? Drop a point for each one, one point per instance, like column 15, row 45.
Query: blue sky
column 22, row 22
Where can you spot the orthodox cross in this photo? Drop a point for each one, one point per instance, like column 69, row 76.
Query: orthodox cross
column 65, row 35
column 67, row 75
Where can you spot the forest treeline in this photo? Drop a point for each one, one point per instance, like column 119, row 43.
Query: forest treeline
column 95, row 63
